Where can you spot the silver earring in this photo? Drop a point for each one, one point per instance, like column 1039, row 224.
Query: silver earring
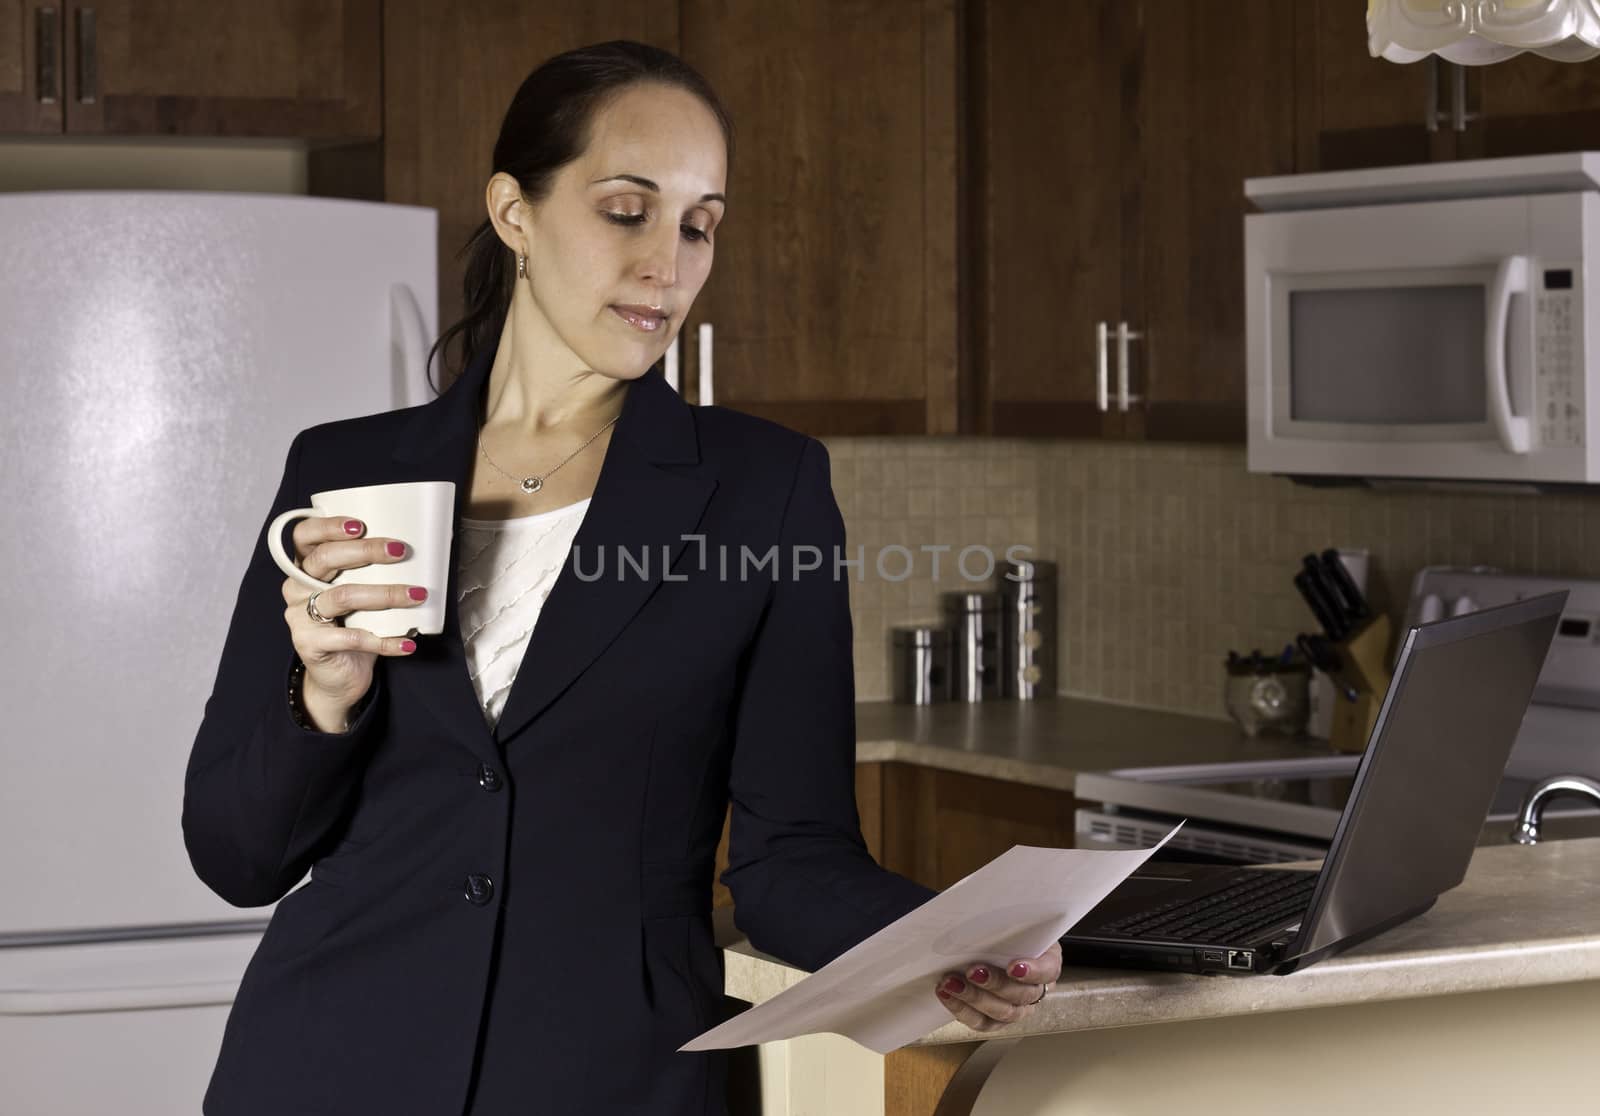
column 522, row 266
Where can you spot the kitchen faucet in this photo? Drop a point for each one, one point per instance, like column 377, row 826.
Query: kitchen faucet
column 1527, row 830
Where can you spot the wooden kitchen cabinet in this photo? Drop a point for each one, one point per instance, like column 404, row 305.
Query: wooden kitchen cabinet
column 1354, row 110
column 1214, row 105
column 1044, row 211
column 935, row 827
column 939, row 826
column 1109, row 189
column 1358, row 111
column 833, row 297
column 1529, row 105
column 304, row 69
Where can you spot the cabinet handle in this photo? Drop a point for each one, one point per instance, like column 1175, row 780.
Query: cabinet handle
column 1430, row 111
column 705, row 364
column 1124, row 335
column 1458, row 98
column 1102, row 369
column 671, row 367
column 1458, row 114
column 88, row 78
column 46, row 26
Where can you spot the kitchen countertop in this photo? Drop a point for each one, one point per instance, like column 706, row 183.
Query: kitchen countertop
column 1524, row 916
column 1047, row 741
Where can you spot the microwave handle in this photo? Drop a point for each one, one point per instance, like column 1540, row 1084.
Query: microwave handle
column 1510, row 278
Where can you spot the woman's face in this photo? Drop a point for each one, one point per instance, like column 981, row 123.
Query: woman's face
column 601, row 240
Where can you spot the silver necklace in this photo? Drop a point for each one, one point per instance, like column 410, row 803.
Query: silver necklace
column 532, row 484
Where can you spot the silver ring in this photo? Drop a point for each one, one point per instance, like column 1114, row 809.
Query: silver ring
column 311, row 609
column 1043, row 992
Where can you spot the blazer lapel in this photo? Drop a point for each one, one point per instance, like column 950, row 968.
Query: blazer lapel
column 652, row 490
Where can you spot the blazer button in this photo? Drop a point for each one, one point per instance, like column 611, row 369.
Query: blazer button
column 479, row 890
column 488, row 778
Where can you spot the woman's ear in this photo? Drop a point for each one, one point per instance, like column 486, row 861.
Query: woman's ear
column 508, row 211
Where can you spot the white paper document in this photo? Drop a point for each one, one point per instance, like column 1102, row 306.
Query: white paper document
column 880, row 993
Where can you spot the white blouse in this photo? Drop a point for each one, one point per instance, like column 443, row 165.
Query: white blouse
column 506, row 568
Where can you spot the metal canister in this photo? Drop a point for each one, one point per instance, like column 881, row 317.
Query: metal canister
column 974, row 621
column 919, row 665
column 1027, row 590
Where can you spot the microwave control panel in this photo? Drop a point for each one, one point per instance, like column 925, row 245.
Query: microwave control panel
column 1558, row 383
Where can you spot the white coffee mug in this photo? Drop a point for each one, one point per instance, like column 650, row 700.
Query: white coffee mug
column 420, row 514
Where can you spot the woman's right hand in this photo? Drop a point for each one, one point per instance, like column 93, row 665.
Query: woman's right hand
column 339, row 659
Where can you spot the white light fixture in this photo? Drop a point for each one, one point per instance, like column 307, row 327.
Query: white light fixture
column 1478, row 32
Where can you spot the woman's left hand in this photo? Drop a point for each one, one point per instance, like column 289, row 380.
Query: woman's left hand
column 985, row 999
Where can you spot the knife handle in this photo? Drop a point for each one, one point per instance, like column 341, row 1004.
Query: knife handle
column 1354, row 602
column 1332, row 598
column 1309, row 594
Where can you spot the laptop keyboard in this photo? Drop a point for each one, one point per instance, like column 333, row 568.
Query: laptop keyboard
column 1253, row 900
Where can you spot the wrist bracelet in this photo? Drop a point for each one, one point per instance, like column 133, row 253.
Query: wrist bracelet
column 297, row 705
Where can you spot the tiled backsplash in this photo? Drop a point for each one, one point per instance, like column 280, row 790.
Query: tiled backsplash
column 1168, row 555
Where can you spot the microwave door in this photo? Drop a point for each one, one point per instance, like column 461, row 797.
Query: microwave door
column 1383, row 369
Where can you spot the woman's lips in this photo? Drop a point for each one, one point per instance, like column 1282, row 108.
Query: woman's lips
column 645, row 323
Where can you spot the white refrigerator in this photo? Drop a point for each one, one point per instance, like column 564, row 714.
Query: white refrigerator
column 158, row 352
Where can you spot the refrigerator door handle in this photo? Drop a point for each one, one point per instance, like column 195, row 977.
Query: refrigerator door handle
column 47, row 78
column 408, row 347
column 88, row 69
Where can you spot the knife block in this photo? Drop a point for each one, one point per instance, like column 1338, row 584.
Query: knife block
column 1365, row 656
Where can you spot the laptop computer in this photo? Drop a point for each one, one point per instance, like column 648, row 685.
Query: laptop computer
column 1421, row 792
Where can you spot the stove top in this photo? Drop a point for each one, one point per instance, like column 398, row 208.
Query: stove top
column 1297, row 802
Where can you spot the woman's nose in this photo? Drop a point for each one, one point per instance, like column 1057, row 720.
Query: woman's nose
column 660, row 261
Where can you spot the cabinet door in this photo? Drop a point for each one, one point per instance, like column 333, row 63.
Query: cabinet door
column 832, row 298
column 1214, row 105
column 302, row 68
column 1049, row 137
column 938, row 827
column 31, row 78
column 451, row 71
column 1356, row 110
column 1529, row 105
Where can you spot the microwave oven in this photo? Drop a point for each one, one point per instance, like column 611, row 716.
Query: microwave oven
column 1426, row 323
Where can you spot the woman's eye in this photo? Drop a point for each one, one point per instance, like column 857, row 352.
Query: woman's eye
column 689, row 231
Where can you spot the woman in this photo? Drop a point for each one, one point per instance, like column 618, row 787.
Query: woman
column 511, row 826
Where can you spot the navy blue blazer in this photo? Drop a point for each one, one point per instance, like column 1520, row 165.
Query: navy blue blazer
column 519, row 920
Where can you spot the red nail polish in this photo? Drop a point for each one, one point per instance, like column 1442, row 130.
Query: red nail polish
column 953, row 985
column 941, row 993
column 1019, row 970
column 408, row 645
column 397, row 549
column 352, row 526
column 979, row 974
column 417, row 593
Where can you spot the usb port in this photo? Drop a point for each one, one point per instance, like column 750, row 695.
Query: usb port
column 1212, row 956
column 1239, row 959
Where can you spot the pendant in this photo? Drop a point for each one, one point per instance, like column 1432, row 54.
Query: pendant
column 531, row 485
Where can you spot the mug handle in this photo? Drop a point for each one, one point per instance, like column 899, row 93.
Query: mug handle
column 285, row 563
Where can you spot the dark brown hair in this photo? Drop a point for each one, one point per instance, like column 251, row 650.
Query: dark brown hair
column 547, row 126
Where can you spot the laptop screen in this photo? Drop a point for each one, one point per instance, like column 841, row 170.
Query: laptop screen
column 1435, row 757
